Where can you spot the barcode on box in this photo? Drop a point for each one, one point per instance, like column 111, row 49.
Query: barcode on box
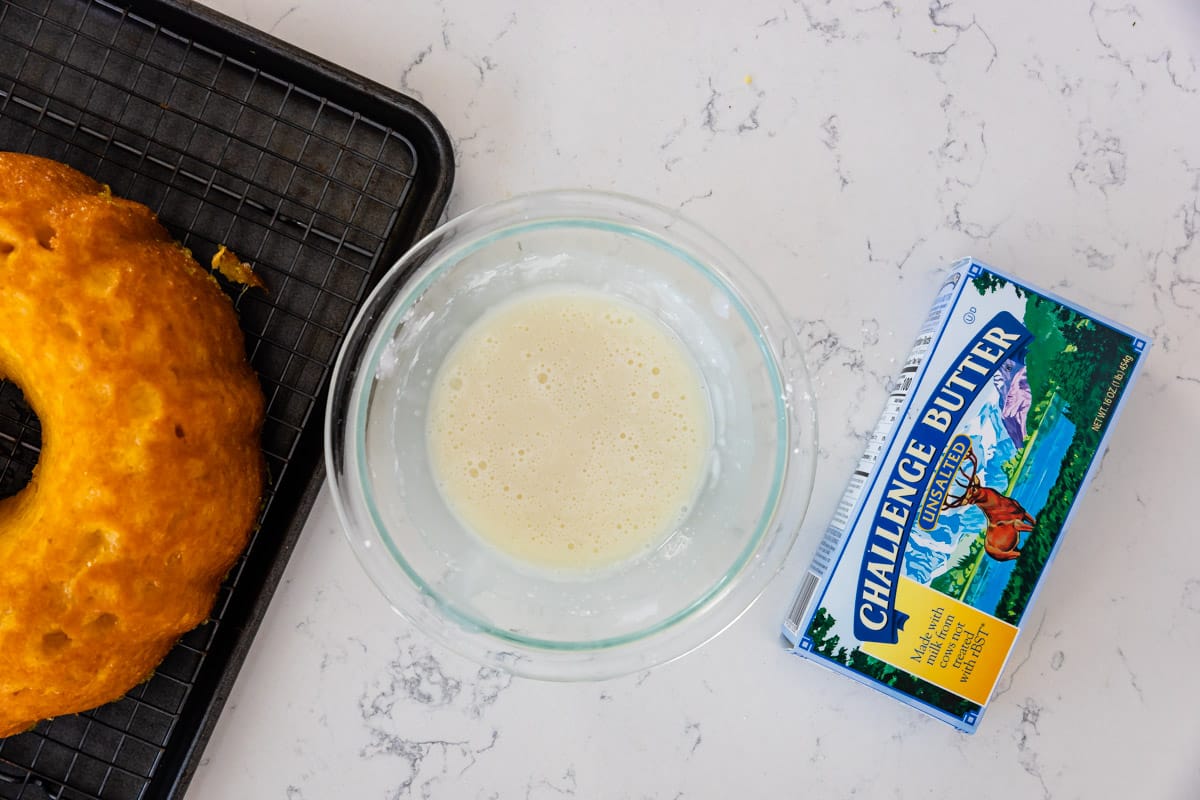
column 807, row 587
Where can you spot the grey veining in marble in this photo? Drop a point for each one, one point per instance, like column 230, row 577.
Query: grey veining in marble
column 849, row 150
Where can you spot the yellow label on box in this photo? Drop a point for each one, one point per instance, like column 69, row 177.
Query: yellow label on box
column 946, row 642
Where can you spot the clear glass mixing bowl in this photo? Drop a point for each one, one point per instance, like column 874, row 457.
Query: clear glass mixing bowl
column 584, row 625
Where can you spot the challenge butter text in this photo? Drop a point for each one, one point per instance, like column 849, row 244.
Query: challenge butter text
column 883, row 546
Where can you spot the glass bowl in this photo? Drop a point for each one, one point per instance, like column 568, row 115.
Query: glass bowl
column 595, row 624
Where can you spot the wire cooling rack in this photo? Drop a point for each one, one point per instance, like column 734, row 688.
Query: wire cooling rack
column 317, row 177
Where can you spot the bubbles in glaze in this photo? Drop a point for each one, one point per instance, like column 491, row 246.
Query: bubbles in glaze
column 568, row 429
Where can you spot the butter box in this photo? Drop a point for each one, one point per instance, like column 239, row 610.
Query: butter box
column 956, row 509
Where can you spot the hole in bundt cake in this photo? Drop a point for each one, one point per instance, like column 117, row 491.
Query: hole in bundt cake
column 6, row 247
column 45, row 236
column 110, row 335
column 54, row 642
column 20, row 439
column 178, row 431
column 104, row 622
column 92, row 545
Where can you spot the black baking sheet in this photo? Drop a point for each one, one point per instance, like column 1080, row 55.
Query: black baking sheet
column 317, row 177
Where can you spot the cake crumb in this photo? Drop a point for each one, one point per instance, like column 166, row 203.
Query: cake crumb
column 226, row 262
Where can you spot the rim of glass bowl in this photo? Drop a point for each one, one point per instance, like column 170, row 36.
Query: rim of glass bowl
column 723, row 602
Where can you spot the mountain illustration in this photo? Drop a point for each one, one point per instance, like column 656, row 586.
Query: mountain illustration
column 930, row 553
column 993, row 446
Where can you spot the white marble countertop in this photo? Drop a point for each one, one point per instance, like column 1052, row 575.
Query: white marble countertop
column 849, row 150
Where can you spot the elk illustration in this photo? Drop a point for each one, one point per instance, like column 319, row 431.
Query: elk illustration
column 1007, row 519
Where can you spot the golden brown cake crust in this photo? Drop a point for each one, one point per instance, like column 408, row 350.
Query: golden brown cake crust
column 150, row 473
